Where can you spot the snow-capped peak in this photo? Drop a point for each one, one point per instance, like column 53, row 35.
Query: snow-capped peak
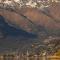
column 31, row 3
column 7, row 2
column 16, row 0
column 20, row 3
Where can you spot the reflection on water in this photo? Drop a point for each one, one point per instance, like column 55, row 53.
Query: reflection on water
column 8, row 58
column 35, row 57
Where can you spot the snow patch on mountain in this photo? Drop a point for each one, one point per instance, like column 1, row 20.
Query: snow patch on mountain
column 29, row 3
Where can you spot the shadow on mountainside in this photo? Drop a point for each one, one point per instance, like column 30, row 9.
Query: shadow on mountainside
column 12, row 38
column 5, row 29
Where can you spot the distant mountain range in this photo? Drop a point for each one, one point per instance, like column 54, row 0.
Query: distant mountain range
column 21, row 28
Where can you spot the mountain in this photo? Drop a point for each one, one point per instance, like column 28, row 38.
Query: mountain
column 12, row 38
column 26, row 26
column 48, row 18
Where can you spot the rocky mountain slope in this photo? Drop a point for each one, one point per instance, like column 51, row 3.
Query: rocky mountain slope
column 26, row 26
